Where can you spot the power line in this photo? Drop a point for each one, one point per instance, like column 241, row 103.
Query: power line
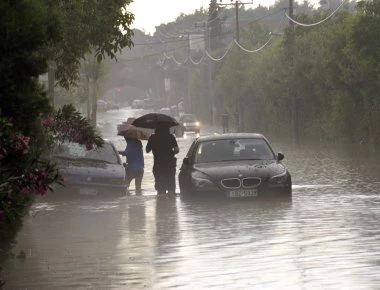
column 226, row 33
column 256, row 50
column 161, row 41
column 319, row 22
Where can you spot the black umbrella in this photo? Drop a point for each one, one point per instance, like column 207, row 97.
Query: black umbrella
column 151, row 121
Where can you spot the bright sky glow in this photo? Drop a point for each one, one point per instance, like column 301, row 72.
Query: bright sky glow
column 151, row 13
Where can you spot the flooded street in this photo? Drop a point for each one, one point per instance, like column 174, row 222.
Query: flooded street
column 326, row 237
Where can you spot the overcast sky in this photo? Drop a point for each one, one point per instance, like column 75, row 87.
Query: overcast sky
column 151, row 13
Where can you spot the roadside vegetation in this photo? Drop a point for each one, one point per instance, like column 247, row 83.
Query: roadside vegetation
column 326, row 81
column 34, row 35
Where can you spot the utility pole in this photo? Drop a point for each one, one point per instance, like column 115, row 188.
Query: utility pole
column 293, row 94
column 209, row 70
column 237, row 21
column 240, row 103
column 210, row 79
column 189, row 101
column 236, row 4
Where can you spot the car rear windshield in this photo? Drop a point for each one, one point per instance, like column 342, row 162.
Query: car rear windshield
column 233, row 150
column 74, row 151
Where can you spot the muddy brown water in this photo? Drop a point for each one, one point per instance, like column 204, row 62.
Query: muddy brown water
column 326, row 237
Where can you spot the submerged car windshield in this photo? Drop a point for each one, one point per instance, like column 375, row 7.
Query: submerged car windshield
column 233, row 150
column 76, row 151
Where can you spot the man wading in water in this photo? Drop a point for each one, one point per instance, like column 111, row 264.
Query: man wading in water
column 164, row 147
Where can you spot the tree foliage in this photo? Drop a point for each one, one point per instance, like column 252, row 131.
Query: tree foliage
column 27, row 28
column 330, row 70
column 86, row 25
column 35, row 34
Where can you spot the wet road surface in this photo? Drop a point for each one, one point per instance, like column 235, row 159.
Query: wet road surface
column 326, row 237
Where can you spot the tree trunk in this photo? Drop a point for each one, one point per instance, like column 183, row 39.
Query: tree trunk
column 88, row 95
column 94, row 103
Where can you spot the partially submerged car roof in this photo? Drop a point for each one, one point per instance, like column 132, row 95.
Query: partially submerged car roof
column 230, row 136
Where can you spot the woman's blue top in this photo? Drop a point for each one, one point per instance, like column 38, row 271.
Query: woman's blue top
column 134, row 154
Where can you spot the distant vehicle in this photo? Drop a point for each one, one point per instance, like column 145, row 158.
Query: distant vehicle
column 190, row 123
column 177, row 130
column 165, row 111
column 149, row 104
column 90, row 172
column 236, row 165
column 137, row 104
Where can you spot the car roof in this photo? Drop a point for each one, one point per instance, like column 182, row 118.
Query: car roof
column 106, row 141
column 230, row 136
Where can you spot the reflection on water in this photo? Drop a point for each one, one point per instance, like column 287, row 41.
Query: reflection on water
column 326, row 237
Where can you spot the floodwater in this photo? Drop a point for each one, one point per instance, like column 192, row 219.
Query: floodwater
column 326, row 237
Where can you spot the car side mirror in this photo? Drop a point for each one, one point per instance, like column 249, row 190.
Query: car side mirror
column 280, row 156
column 125, row 164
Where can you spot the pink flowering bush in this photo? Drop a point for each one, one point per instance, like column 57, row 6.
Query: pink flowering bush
column 23, row 172
column 67, row 124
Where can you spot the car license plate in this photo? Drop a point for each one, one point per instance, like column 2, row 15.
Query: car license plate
column 88, row 191
column 242, row 193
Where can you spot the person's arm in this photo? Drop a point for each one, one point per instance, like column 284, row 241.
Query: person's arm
column 175, row 147
column 125, row 152
column 148, row 147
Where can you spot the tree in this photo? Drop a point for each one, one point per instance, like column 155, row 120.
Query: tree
column 34, row 33
column 87, row 25
column 93, row 71
column 26, row 28
column 366, row 42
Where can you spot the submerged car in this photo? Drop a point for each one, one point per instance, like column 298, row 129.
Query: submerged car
column 99, row 171
column 236, row 165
